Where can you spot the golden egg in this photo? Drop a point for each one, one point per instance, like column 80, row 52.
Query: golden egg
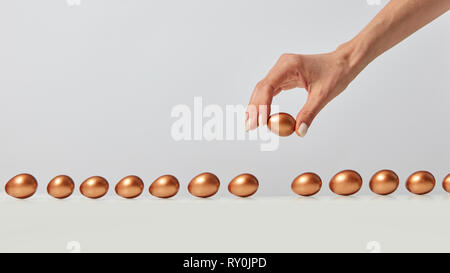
column 21, row 186
column 204, row 185
column 446, row 183
column 347, row 182
column 306, row 184
column 243, row 185
column 281, row 124
column 164, row 186
column 420, row 182
column 384, row 182
column 129, row 187
column 94, row 187
column 60, row 187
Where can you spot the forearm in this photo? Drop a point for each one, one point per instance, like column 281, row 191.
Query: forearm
column 396, row 21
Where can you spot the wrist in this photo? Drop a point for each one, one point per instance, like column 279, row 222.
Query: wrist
column 355, row 55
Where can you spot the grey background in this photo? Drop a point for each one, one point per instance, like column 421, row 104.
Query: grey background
column 88, row 90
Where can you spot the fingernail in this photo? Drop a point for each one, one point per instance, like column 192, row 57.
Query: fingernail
column 247, row 125
column 260, row 120
column 302, row 129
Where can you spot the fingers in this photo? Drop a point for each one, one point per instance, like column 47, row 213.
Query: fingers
column 256, row 115
column 263, row 116
column 307, row 114
column 258, row 110
column 283, row 75
column 251, row 121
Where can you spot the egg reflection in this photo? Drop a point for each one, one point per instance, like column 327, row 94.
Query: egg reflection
column 421, row 182
column 384, row 182
column 129, row 187
column 306, row 184
column 94, row 187
column 60, row 186
column 204, row 185
column 346, row 182
column 164, row 186
column 21, row 186
column 243, row 185
column 281, row 124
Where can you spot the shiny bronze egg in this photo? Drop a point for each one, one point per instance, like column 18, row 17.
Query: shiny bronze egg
column 164, row 186
column 446, row 183
column 94, row 187
column 420, row 182
column 306, row 184
column 384, row 182
column 21, row 186
column 129, row 187
column 347, row 182
column 204, row 185
column 281, row 124
column 60, row 187
column 243, row 185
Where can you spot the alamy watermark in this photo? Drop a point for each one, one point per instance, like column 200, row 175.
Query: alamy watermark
column 373, row 247
column 73, row 247
column 73, row 3
column 373, row 2
column 219, row 123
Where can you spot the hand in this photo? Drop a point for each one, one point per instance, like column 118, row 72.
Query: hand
column 323, row 76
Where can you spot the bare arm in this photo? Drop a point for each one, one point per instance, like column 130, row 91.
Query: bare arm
column 396, row 21
column 324, row 76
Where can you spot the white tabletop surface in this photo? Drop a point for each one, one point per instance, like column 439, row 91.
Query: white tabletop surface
column 363, row 223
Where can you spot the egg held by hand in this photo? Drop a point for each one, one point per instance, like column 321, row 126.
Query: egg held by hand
column 281, row 124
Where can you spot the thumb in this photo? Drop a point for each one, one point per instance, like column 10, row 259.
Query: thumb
column 307, row 114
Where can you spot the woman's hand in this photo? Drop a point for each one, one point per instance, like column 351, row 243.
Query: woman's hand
column 323, row 76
